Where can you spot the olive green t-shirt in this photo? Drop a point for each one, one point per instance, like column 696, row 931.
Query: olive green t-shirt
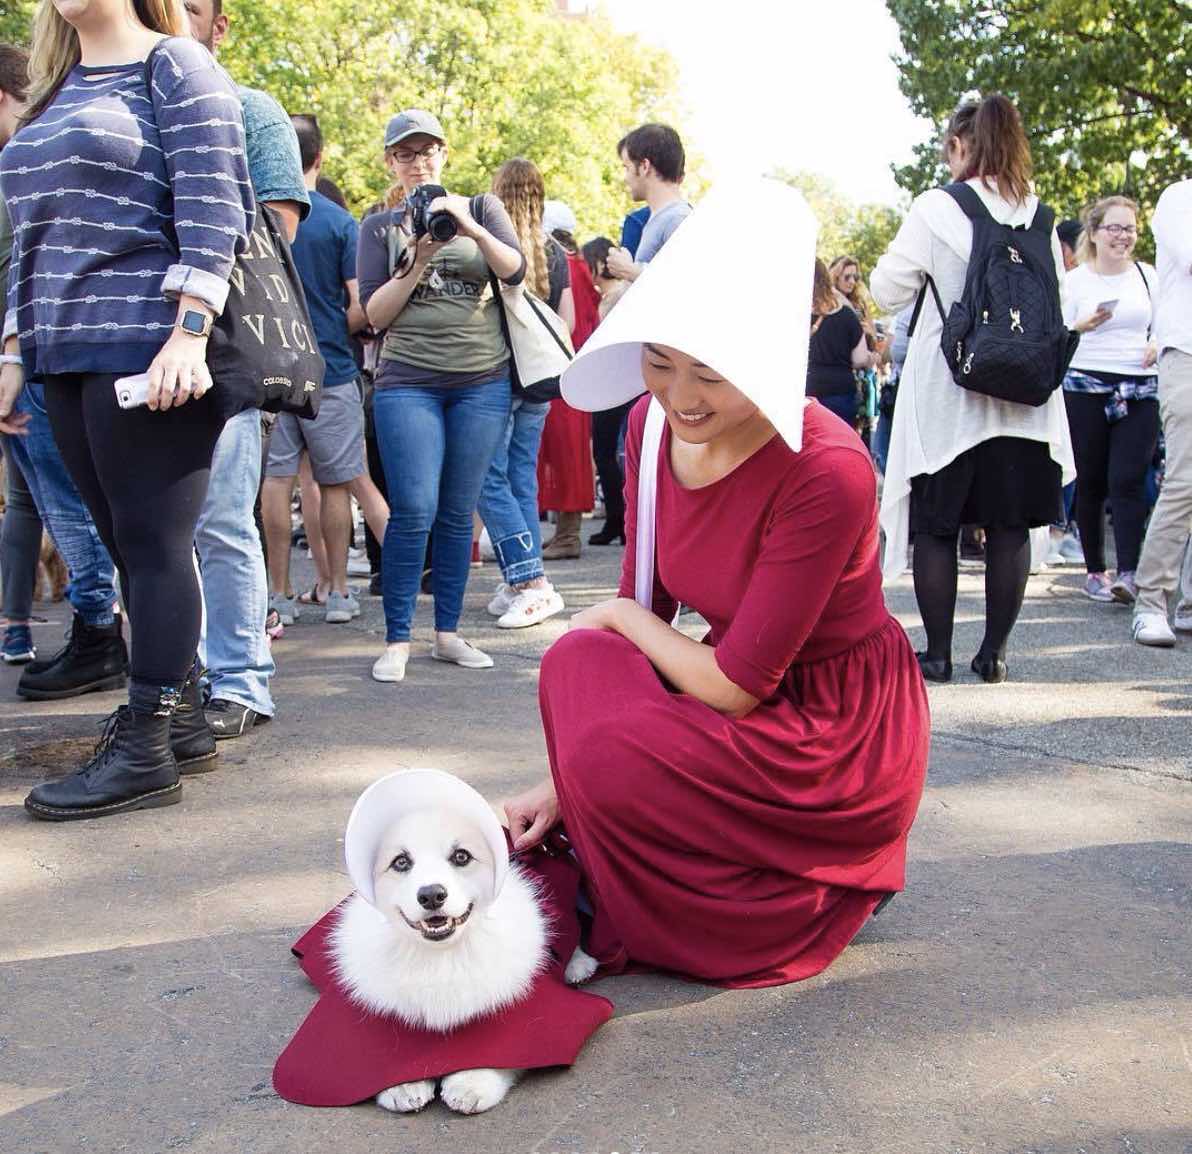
column 449, row 333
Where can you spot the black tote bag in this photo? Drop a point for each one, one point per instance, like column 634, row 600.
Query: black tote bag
column 262, row 351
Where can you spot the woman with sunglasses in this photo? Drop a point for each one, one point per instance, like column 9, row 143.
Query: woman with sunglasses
column 1111, row 391
column 443, row 398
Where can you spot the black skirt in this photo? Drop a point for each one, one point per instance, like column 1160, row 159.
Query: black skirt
column 1003, row 483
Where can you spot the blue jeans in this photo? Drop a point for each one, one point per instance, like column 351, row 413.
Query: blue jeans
column 436, row 445
column 509, row 497
column 844, row 405
column 92, row 589
column 233, row 645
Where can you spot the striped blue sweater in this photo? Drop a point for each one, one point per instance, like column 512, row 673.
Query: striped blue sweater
column 119, row 207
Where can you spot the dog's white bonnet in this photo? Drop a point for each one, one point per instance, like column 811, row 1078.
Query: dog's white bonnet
column 731, row 288
column 408, row 791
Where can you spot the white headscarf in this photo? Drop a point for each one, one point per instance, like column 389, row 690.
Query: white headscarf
column 731, row 288
column 409, row 790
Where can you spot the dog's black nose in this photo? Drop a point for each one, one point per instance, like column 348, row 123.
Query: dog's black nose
column 432, row 897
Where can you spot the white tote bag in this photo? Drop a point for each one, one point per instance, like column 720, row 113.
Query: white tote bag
column 539, row 342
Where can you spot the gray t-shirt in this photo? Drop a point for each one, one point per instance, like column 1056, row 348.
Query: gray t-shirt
column 659, row 228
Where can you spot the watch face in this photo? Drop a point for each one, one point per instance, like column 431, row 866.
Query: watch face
column 193, row 322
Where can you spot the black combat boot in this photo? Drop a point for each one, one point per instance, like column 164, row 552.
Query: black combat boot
column 94, row 658
column 191, row 737
column 133, row 766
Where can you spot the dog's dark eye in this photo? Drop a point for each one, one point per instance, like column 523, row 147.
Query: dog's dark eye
column 401, row 863
column 460, row 857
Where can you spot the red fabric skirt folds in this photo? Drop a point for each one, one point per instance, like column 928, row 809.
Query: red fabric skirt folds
column 743, row 852
column 565, row 480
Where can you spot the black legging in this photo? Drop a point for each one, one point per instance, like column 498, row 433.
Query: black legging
column 1007, row 566
column 1111, row 461
column 606, row 432
column 143, row 476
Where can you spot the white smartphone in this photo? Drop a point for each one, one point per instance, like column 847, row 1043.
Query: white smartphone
column 132, row 392
column 1108, row 306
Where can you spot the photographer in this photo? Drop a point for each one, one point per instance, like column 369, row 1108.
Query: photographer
column 443, row 396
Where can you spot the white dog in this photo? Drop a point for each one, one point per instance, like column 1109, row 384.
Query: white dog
column 460, row 934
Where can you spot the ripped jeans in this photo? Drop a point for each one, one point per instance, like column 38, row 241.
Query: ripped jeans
column 509, row 499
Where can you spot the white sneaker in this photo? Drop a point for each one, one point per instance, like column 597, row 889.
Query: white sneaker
column 502, row 599
column 1183, row 618
column 1152, row 629
column 459, row 652
column 1055, row 557
column 358, row 565
column 391, row 665
column 1071, row 549
column 531, row 606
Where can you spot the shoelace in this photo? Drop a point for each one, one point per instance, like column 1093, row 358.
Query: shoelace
column 107, row 738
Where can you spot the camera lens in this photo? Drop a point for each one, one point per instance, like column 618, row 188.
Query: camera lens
column 442, row 226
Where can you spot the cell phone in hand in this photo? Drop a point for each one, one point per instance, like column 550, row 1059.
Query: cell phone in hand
column 1108, row 306
column 132, row 392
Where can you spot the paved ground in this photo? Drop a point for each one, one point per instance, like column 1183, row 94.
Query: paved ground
column 1029, row 991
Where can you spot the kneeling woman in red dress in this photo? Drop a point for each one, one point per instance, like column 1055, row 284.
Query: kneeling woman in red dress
column 739, row 807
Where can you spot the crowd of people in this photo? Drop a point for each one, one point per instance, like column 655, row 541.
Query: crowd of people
column 132, row 171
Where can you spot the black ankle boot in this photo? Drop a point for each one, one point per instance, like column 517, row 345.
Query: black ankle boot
column 133, row 768
column 608, row 535
column 990, row 669
column 191, row 738
column 94, row 658
column 935, row 668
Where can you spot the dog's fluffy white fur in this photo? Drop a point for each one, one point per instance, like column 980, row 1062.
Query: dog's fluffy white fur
column 436, row 950
column 390, row 970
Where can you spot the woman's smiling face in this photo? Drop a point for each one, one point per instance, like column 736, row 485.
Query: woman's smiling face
column 700, row 404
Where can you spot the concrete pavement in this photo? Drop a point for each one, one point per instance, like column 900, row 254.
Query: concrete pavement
column 1028, row 992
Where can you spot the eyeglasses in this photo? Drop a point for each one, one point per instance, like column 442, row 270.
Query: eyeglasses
column 850, row 276
column 1120, row 229
column 409, row 156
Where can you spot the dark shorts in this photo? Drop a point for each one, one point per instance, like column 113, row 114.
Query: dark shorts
column 1003, row 483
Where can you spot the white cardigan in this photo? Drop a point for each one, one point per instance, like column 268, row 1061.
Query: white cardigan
column 935, row 420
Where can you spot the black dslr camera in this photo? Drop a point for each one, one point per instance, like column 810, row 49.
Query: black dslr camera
column 439, row 225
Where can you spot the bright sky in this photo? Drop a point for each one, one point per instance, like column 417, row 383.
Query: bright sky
column 786, row 83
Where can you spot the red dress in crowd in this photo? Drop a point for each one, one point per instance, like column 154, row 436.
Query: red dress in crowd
column 565, row 458
column 746, row 852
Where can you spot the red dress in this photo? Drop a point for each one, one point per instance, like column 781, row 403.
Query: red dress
column 565, row 481
column 746, row 852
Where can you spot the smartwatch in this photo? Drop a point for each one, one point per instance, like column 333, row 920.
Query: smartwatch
column 195, row 323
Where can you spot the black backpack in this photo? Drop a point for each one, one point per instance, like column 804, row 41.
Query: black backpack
column 1005, row 337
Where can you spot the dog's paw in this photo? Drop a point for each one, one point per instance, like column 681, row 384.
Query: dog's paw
column 581, row 967
column 407, row 1098
column 474, row 1091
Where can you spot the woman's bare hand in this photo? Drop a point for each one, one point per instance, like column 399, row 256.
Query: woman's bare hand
column 178, row 372
column 532, row 814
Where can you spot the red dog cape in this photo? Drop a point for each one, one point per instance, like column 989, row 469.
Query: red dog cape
column 343, row 1054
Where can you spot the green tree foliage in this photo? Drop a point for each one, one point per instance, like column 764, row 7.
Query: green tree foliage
column 845, row 228
column 16, row 16
column 1096, row 82
column 506, row 77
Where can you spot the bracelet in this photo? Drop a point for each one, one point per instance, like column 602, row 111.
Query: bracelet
column 12, row 359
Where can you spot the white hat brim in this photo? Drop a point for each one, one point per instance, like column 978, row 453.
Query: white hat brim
column 752, row 327
column 408, row 791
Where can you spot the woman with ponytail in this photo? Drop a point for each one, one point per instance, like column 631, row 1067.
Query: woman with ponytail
column 959, row 457
column 129, row 193
column 509, row 499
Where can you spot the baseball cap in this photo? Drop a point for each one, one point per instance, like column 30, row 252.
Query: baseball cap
column 410, row 123
column 558, row 215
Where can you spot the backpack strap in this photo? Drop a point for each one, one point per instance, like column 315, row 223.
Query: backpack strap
column 1146, row 284
column 970, row 203
column 928, row 284
column 1044, row 221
